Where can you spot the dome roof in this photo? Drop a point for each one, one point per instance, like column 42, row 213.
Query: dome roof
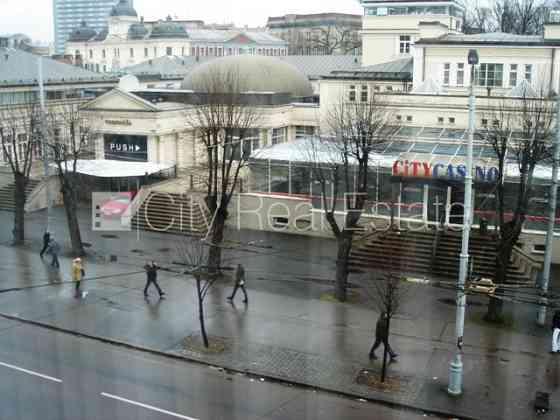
column 168, row 29
column 137, row 31
column 82, row 33
column 123, row 8
column 257, row 74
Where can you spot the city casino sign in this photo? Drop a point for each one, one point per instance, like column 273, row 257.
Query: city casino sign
column 422, row 169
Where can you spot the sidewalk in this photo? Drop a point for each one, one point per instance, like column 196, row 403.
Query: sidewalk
column 288, row 332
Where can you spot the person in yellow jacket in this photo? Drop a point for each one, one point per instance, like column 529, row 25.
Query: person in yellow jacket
column 78, row 272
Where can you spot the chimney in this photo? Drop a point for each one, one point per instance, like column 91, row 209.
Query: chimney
column 552, row 25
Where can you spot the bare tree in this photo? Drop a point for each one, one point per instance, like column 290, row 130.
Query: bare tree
column 193, row 253
column 477, row 18
column 70, row 139
column 386, row 292
column 520, row 134
column 340, row 164
column 333, row 39
column 521, row 17
column 224, row 118
column 19, row 135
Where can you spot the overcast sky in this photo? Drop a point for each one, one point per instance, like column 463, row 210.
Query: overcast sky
column 34, row 17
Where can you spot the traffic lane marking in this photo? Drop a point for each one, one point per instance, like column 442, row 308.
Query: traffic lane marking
column 30, row 372
column 149, row 407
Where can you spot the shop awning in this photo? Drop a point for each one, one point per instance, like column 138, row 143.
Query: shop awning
column 118, row 168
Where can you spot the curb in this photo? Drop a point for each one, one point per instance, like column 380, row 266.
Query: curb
column 268, row 377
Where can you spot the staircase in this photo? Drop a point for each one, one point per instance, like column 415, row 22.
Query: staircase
column 7, row 201
column 171, row 213
column 422, row 253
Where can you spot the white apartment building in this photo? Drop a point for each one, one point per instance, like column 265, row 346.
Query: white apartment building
column 128, row 40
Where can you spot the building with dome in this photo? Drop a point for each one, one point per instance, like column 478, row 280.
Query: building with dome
column 128, row 40
column 153, row 122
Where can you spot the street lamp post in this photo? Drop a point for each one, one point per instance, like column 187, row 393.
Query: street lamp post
column 44, row 135
column 456, row 365
column 541, row 311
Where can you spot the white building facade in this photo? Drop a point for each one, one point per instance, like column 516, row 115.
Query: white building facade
column 128, row 40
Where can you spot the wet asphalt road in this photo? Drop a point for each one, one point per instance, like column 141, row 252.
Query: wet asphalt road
column 49, row 375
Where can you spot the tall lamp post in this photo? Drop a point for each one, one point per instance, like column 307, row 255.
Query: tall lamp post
column 541, row 311
column 456, row 365
column 44, row 136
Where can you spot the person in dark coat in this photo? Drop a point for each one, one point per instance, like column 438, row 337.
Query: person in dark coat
column 555, row 332
column 151, row 278
column 382, row 336
column 239, row 283
column 46, row 240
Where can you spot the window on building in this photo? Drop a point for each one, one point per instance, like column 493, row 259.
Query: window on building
column 132, row 53
column 77, row 53
column 398, row 117
column 451, row 120
column 529, row 72
column 352, row 93
column 377, row 88
column 440, row 120
column 404, row 44
column 182, row 51
column 104, row 68
column 460, row 74
column 169, row 51
column 278, row 135
column 90, row 54
column 389, row 88
column 484, row 122
column 308, row 35
column 364, row 93
column 103, row 54
column 155, row 52
column 304, row 131
column 446, row 71
column 513, row 75
column 409, row 118
column 490, row 75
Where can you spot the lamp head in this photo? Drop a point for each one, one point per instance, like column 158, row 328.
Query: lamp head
column 473, row 57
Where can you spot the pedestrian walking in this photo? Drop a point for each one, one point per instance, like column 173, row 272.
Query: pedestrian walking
column 78, row 272
column 556, row 332
column 46, row 240
column 54, row 250
column 382, row 336
column 239, row 283
column 151, row 277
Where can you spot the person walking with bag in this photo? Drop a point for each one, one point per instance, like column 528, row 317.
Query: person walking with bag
column 54, row 250
column 555, row 332
column 239, row 283
column 78, row 272
column 382, row 336
column 151, row 277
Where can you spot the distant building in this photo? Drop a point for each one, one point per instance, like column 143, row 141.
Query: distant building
column 128, row 40
column 319, row 34
column 68, row 15
column 19, row 79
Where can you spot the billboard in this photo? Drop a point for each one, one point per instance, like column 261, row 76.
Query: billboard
column 126, row 147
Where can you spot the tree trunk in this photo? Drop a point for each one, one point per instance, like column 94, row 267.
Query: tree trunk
column 201, row 314
column 385, row 351
column 503, row 258
column 215, row 253
column 344, row 243
column 71, row 206
column 19, row 210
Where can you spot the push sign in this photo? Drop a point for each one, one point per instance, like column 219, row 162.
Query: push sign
column 124, row 147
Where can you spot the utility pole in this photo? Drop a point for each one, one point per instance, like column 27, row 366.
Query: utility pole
column 44, row 136
column 456, row 365
column 541, row 311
